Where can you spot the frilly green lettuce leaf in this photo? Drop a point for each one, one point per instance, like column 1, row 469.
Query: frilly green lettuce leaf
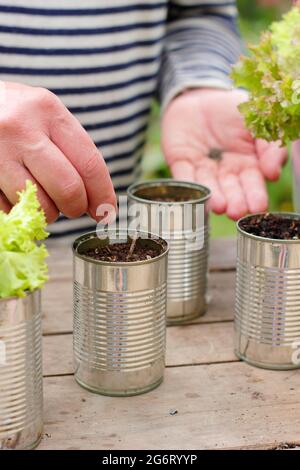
column 271, row 74
column 22, row 261
column 286, row 38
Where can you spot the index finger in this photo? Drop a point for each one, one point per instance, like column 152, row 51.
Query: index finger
column 70, row 137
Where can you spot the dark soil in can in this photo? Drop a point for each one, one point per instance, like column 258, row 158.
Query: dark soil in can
column 124, row 252
column 272, row 226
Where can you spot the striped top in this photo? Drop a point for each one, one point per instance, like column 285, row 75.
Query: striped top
column 107, row 60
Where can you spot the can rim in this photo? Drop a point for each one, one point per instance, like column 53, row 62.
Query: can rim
column 93, row 234
column 293, row 215
column 169, row 182
column 15, row 297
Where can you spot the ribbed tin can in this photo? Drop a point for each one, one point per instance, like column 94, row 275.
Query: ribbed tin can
column 21, row 386
column 119, row 318
column 185, row 225
column 267, row 311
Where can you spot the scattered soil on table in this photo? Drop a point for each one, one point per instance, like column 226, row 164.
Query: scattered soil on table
column 10, row 443
column 120, row 252
column 257, row 396
column 287, row 446
column 272, row 226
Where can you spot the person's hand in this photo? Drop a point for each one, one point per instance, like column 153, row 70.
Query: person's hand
column 204, row 139
column 40, row 140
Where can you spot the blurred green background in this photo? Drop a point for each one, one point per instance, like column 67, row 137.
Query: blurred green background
column 255, row 16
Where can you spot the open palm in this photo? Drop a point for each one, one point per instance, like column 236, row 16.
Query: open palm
column 204, row 139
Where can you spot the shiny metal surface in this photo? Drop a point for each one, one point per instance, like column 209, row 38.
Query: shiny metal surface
column 119, row 321
column 267, row 312
column 21, row 390
column 188, row 269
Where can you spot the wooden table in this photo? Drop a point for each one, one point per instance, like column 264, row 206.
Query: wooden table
column 209, row 400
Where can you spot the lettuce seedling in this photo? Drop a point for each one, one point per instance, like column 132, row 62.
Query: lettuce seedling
column 271, row 74
column 22, row 260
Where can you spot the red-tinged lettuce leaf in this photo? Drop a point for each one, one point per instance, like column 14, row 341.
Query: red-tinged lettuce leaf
column 271, row 74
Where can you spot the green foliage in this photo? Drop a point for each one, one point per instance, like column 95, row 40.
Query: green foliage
column 271, row 74
column 22, row 261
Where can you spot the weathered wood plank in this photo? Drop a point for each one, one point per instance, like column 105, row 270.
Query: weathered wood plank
column 222, row 256
column 57, row 302
column 200, row 344
column 60, row 259
column 57, row 305
column 221, row 294
column 193, row 344
column 57, row 355
column 218, row 406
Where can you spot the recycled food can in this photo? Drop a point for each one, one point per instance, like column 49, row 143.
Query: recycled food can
column 267, row 309
column 119, row 317
column 178, row 212
column 21, row 381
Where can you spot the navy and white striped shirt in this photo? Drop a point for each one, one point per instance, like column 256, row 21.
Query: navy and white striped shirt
column 107, row 60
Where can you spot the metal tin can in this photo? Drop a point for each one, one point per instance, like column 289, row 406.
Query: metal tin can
column 119, row 319
column 267, row 311
column 155, row 201
column 21, row 380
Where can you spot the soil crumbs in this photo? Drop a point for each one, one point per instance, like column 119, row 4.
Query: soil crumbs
column 120, row 252
column 272, row 226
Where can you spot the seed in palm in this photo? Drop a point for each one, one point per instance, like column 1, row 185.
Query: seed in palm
column 215, row 154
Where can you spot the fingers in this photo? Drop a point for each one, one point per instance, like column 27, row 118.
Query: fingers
column 271, row 158
column 204, row 174
column 5, row 206
column 74, row 142
column 13, row 178
column 254, row 187
column 236, row 202
column 235, row 194
column 72, row 175
column 183, row 170
column 244, row 193
column 235, row 163
column 207, row 176
column 58, row 177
